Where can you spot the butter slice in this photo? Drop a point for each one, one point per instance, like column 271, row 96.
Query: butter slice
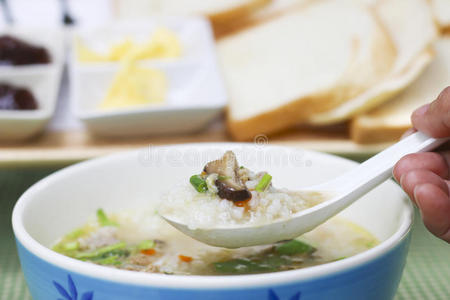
column 135, row 86
column 162, row 44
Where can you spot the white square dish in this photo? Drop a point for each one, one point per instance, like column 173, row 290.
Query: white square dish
column 196, row 93
column 42, row 80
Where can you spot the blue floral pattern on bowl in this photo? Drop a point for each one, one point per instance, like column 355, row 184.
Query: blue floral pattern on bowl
column 273, row 296
column 72, row 293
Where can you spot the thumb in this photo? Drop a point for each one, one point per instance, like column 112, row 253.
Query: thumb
column 434, row 118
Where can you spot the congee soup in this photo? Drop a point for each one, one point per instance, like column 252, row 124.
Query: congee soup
column 225, row 194
column 142, row 241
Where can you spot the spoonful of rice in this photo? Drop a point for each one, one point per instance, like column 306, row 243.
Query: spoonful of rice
column 230, row 206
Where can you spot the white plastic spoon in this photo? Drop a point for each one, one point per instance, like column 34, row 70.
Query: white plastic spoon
column 347, row 188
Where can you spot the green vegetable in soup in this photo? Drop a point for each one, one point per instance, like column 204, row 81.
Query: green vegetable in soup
column 268, row 263
column 101, row 252
column 113, row 260
column 241, row 266
column 263, row 183
column 294, row 247
column 285, row 256
column 103, row 219
column 71, row 246
column 340, row 258
column 78, row 233
column 147, row 244
column 198, row 183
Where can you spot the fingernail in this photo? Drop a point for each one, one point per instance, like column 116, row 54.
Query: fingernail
column 417, row 201
column 421, row 110
column 401, row 180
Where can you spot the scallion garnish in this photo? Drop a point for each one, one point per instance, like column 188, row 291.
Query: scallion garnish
column 69, row 246
column 103, row 219
column 263, row 183
column 110, row 260
column 147, row 244
column 198, row 183
column 101, row 251
column 294, row 247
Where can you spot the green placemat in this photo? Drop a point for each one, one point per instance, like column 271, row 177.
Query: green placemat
column 426, row 276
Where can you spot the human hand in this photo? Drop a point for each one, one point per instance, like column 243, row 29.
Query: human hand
column 425, row 177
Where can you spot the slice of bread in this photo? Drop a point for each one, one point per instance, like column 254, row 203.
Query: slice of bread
column 272, row 10
column 441, row 12
column 300, row 63
column 410, row 25
column 390, row 120
column 220, row 12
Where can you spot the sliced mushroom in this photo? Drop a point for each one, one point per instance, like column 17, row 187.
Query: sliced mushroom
column 226, row 192
column 229, row 184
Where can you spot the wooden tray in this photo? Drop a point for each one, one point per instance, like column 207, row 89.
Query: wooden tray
column 62, row 147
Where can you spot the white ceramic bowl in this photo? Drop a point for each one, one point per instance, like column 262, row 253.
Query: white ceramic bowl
column 65, row 200
column 43, row 80
column 195, row 96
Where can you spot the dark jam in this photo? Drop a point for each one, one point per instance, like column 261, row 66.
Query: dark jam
column 14, row 98
column 17, row 52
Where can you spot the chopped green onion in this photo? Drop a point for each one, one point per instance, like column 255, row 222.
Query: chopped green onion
column 220, row 177
column 274, row 261
column 71, row 246
column 103, row 220
column 77, row 233
column 110, row 260
column 100, row 252
column 241, row 167
column 198, row 183
column 294, row 247
column 371, row 244
column 263, row 183
column 241, row 266
column 148, row 244
column 340, row 258
column 255, row 265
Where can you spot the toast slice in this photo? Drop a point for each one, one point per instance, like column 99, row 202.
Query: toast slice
column 389, row 121
column 412, row 37
column 220, row 12
column 283, row 70
column 441, row 12
column 271, row 10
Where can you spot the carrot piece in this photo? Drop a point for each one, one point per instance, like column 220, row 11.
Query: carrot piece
column 243, row 203
column 185, row 258
column 148, row 251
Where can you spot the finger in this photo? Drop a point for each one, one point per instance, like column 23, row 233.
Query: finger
column 431, row 161
column 434, row 205
column 434, row 118
column 417, row 177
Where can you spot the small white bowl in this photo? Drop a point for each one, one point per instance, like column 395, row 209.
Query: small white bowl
column 43, row 80
column 196, row 93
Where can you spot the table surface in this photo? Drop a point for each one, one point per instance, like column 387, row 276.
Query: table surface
column 425, row 277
